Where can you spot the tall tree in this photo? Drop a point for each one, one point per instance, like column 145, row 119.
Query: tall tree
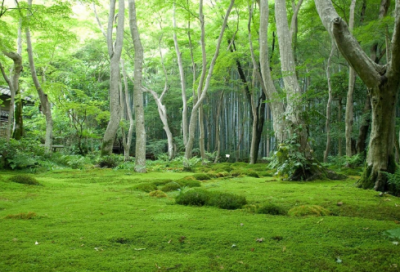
column 203, row 79
column 383, row 82
column 114, row 53
column 44, row 101
column 140, row 152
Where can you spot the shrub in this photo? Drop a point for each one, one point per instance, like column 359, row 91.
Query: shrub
column 110, row 161
column 157, row 193
column 27, row 216
column 145, row 187
column 201, row 176
column 227, row 201
column 305, row 210
column 394, row 180
column 271, row 209
column 24, row 179
column 21, row 154
column 171, row 186
column 193, row 197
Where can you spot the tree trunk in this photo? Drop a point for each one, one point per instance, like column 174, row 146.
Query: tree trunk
column 183, row 84
column 328, row 105
column 44, row 101
column 217, row 128
column 128, row 142
column 340, row 106
column 140, row 153
column 203, row 89
column 296, row 123
column 114, row 53
column 19, row 124
column 276, row 106
column 363, row 131
column 383, row 82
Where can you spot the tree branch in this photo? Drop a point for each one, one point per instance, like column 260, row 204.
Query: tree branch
column 394, row 65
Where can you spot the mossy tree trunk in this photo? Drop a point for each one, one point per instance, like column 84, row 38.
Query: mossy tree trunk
column 383, row 83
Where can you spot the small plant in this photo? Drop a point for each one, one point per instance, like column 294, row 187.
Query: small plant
column 157, row 193
column 25, row 216
column 193, row 198
column 271, row 209
column 24, row 179
column 201, row 176
column 145, row 187
column 305, row 210
column 171, row 186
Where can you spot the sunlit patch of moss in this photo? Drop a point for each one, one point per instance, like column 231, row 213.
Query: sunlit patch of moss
column 305, row 210
column 158, row 193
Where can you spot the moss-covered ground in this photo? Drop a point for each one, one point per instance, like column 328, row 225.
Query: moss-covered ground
column 95, row 220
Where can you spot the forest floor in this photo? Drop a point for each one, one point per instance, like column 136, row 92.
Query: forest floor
column 97, row 220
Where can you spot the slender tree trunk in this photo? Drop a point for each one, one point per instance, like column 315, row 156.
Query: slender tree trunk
column 44, row 101
column 363, row 131
column 19, row 124
column 183, row 84
column 328, row 105
column 340, row 106
column 140, row 154
column 276, row 106
column 114, row 53
column 383, row 82
column 128, row 142
column 192, row 123
column 217, row 128
column 350, row 92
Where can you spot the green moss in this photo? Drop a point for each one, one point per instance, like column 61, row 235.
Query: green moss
column 252, row 174
column 145, row 187
column 158, row 194
column 305, row 210
column 25, row 216
column 24, row 179
column 201, row 176
column 271, row 209
column 171, row 186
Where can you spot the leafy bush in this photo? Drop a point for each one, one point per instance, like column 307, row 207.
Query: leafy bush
column 394, row 179
column 201, row 176
column 145, row 187
column 21, row 154
column 110, row 161
column 305, row 210
column 226, row 201
column 198, row 197
column 193, row 198
column 171, row 186
column 157, row 193
column 271, row 209
column 24, row 179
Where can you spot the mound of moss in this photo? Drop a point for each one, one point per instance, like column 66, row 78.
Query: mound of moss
column 24, row 179
column 157, row 193
column 24, row 216
column 305, row 210
column 201, row 176
column 271, row 209
column 199, row 197
column 145, row 187
column 171, row 186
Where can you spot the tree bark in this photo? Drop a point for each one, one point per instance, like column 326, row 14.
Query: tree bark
column 383, row 82
column 328, row 105
column 217, row 128
column 140, row 153
column 114, row 53
column 296, row 124
column 349, row 103
column 128, row 142
column 44, row 101
column 276, row 106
